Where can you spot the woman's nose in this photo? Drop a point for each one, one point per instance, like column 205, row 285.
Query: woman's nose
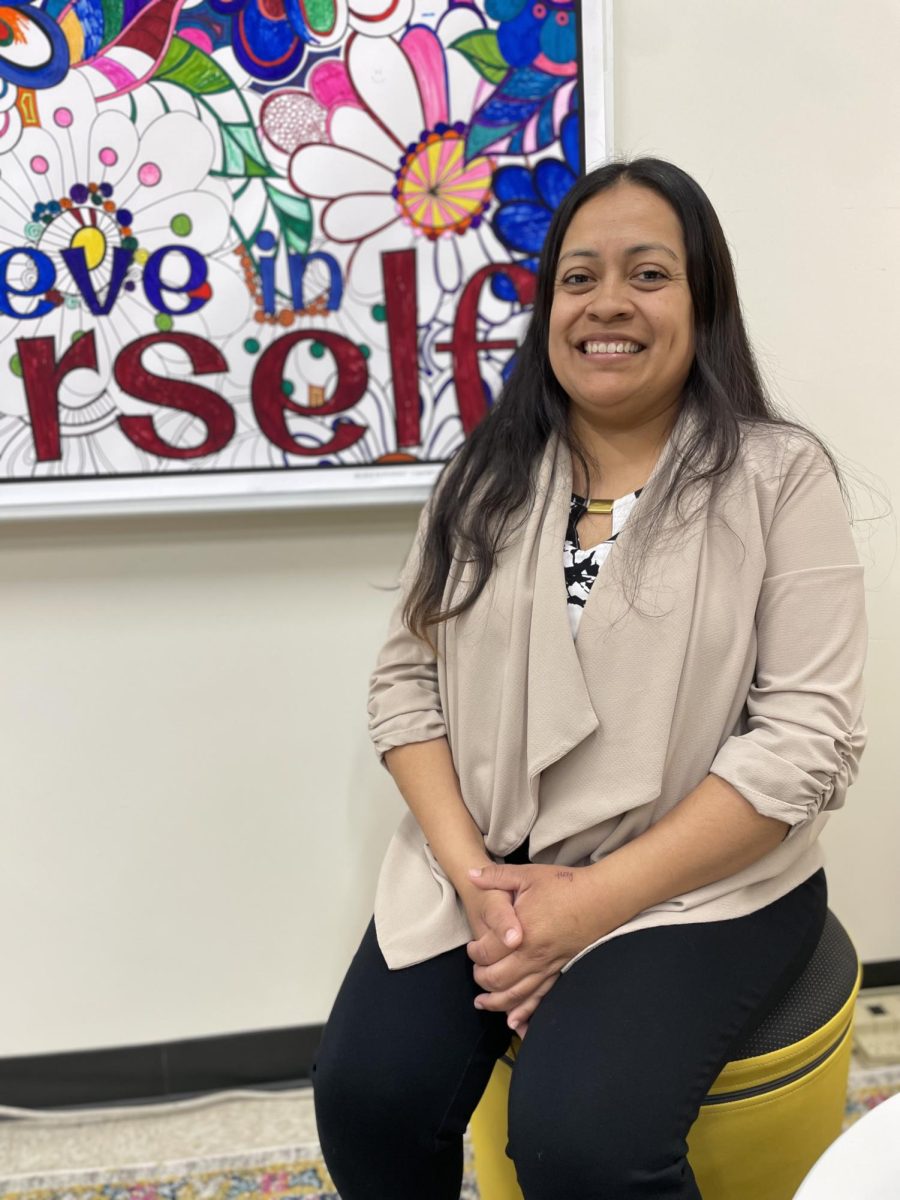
column 609, row 299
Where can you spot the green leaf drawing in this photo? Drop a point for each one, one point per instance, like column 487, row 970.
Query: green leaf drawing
column 187, row 66
column 483, row 52
column 295, row 219
column 480, row 137
column 242, row 153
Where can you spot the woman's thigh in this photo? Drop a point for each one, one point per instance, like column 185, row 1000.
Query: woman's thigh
column 620, row 1054
column 403, row 1061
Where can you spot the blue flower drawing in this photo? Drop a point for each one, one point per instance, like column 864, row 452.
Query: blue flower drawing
column 528, row 199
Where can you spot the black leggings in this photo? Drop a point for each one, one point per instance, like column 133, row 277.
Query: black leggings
column 615, row 1064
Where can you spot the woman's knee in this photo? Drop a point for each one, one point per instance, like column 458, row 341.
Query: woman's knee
column 355, row 1087
column 394, row 1094
column 575, row 1150
column 591, row 1170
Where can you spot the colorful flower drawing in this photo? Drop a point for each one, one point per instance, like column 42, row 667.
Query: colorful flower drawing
column 396, row 169
column 286, row 236
column 89, row 196
column 535, row 33
column 33, row 51
column 10, row 116
column 532, row 59
column 270, row 37
column 121, row 49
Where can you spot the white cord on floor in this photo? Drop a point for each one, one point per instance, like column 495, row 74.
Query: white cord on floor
column 148, row 1108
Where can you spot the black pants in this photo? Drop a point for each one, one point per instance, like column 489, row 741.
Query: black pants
column 615, row 1064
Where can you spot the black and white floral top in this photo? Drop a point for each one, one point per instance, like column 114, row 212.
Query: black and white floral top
column 582, row 565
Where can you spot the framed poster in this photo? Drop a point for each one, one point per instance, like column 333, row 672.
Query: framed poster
column 260, row 252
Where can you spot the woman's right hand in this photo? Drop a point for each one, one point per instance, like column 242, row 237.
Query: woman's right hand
column 425, row 774
column 496, row 929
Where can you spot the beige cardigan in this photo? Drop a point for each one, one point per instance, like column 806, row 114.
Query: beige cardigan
column 742, row 656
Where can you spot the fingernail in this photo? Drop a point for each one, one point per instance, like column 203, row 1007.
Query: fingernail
column 474, row 872
column 509, row 937
column 478, row 1004
column 514, row 1025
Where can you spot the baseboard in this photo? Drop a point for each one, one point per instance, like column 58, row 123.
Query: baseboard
column 882, row 974
column 268, row 1058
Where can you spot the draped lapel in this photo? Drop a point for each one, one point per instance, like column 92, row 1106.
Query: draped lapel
column 560, row 714
column 630, row 659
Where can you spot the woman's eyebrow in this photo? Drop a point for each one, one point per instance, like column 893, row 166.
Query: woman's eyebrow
column 579, row 254
column 645, row 246
column 641, row 248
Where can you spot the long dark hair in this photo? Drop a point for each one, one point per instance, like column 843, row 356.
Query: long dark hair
column 497, row 462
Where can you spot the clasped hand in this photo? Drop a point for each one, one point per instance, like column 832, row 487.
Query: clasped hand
column 556, row 913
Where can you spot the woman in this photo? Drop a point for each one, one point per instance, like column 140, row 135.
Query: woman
column 611, row 843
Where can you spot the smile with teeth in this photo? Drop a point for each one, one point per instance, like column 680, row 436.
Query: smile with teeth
column 611, row 348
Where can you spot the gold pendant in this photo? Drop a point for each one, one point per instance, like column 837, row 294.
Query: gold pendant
column 600, row 508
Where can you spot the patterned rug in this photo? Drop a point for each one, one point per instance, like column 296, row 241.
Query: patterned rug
column 262, row 1175
column 295, row 1173
column 869, row 1087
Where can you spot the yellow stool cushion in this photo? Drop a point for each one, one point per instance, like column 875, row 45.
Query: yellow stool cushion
column 769, row 1115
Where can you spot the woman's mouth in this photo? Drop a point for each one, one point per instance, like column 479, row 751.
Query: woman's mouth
column 625, row 347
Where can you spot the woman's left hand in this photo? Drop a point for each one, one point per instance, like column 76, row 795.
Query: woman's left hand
column 562, row 910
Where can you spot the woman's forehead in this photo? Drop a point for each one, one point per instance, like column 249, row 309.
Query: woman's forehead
column 623, row 219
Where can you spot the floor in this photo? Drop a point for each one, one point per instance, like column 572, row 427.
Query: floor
column 205, row 1126
column 34, row 1142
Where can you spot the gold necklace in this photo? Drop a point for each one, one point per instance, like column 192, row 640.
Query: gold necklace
column 600, row 508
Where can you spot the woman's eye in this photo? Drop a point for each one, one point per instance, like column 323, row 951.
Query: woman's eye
column 651, row 275
column 577, row 277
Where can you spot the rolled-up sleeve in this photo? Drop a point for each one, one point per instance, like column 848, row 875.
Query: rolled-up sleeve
column 404, row 696
column 802, row 734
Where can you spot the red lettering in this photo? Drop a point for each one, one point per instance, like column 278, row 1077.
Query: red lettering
column 271, row 404
column 41, row 377
column 465, row 345
column 215, row 413
column 398, row 271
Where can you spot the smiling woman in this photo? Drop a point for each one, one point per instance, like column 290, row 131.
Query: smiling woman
column 597, row 817
column 635, row 252
column 621, row 329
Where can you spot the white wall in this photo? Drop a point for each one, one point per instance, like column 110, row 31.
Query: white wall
column 191, row 814
column 191, row 818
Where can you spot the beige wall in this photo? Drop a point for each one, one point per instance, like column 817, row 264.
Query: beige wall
column 191, row 817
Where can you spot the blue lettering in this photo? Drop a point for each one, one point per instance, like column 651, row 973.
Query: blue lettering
column 46, row 277
column 298, row 264
column 76, row 261
column 265, row 240
column 196, row 289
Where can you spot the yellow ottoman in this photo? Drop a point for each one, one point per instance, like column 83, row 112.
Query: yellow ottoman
column 774, row 1109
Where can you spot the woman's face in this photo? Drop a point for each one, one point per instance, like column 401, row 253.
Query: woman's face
column 621, row 325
